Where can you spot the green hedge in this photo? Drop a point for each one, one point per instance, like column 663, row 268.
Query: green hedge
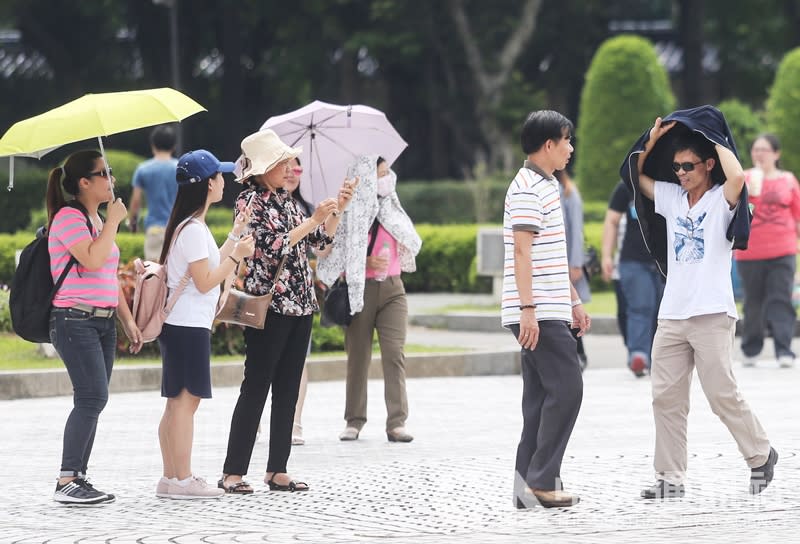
column 626, row 89
column 745, row 124
column 30, row 186
column 783, row 110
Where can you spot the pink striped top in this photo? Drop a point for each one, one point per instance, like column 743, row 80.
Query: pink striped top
column 99, row 287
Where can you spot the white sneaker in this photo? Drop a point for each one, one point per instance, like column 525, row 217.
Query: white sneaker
column 786, row 361
column 748, row 361
column 162, row 488
column 195, row 488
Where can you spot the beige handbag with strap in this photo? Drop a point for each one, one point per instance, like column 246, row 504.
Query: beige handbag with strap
column 240, row 308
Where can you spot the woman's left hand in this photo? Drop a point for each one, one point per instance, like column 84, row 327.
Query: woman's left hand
column 134, row 335
column 346, row 192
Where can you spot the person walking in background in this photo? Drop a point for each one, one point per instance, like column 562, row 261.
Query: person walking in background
column 377, row 241
column 539, row 306
column 307, row 210
column 640, row 281
column 185, row 339
column 572, row 206
column 155, row 180
column 82, row 325
column 275, row 355
column 697, row 317
column 767, row 266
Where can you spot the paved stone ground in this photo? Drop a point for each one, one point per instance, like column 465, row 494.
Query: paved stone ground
column 452, row 484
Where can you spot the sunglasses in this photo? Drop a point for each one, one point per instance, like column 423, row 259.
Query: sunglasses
column 687, row 166
column 101, row 173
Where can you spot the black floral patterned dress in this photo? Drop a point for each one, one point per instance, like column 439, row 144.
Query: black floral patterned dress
column 274, row 215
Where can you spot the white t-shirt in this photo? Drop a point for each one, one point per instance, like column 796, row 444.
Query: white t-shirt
column 193, row 309
column 533, row 204
column 698, row 253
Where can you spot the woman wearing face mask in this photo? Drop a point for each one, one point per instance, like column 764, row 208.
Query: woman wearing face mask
column 767, row 266
column 376, row 241
column 275, row 355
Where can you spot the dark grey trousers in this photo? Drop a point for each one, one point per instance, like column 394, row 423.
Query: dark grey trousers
column 768, row 288
column 552, row 390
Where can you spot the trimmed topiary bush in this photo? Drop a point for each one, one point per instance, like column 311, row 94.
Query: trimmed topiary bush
column 626, row 89
column 745, row 125
column 783, row 110
column 30, row 186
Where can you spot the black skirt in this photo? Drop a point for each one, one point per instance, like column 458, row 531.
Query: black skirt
column 185, row 361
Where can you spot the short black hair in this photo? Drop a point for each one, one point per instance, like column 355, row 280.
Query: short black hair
column 543, row 125
column 696, row 143
column 163, row 138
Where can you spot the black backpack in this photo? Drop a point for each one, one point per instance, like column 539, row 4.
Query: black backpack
column 32, row 288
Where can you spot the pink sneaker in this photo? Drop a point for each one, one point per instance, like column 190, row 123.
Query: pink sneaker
column 162, row 488
column 196, row 488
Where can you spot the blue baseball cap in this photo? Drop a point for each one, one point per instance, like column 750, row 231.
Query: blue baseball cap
column 198, row 165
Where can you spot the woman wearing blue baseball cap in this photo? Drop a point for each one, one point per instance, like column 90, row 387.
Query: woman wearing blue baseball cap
column 191, row 256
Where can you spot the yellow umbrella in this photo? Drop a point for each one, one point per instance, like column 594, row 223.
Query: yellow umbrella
column 94, row 116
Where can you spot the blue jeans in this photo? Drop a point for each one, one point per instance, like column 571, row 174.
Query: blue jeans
column 643, row 286
column 86, row 344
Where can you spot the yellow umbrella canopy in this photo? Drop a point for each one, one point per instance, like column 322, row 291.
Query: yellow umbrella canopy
column 94, row 116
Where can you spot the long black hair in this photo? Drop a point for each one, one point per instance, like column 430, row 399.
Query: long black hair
column 308, row 209
column 77, row 166
column 190, row 201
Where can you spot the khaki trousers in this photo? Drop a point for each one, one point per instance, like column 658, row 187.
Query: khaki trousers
column 705, row 342
column 385, row 309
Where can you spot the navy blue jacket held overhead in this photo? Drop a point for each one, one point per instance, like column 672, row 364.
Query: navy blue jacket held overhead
column 708, row 121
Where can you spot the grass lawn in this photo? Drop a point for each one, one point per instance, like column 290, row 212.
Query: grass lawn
column 602, row 303
column 19, row 354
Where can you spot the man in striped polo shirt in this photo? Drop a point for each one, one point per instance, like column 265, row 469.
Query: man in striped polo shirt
column 539, row 306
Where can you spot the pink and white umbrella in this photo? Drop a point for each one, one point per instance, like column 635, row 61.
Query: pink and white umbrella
column 332, row 137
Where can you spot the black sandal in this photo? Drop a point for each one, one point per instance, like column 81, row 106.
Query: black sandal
column 235, row 488
column 292, row 486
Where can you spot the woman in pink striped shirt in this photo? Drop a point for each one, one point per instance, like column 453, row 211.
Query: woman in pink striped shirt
column 82, row 318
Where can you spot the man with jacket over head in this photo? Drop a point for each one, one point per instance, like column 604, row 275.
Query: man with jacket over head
column 697, row 317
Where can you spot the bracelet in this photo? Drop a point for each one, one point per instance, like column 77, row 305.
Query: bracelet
column 231, row 257
column 576, row 302
column 233, row 237
column 527, row 306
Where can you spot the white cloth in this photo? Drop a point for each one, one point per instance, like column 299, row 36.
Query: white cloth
column 349, row 253
column 193, row 308
column 698, row 253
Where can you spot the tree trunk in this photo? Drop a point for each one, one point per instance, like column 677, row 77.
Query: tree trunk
column 690, row 23
column 490, row 84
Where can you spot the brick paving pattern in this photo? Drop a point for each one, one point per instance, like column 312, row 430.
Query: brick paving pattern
column 452, row 484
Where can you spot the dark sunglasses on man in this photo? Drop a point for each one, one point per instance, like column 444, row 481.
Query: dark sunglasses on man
column 687, row 166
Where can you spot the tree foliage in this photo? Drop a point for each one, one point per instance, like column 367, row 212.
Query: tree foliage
column 745, row 125
column 783, row 109
column 626, row 89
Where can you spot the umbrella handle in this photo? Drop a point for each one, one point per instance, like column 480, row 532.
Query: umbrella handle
column 11, row 173
column 105, row 163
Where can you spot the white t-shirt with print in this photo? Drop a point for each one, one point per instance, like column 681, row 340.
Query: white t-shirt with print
column 698, row 253
column 533, row 204
column 193, row 309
